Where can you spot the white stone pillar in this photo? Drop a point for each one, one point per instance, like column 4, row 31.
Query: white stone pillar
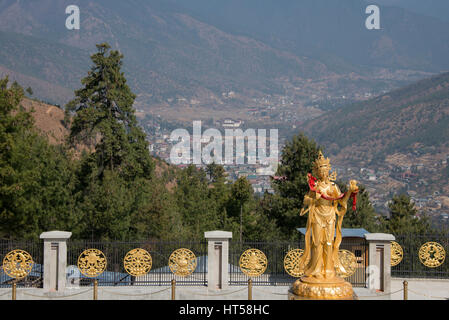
column 55, row 259
column 218, row 259
column 379, row 258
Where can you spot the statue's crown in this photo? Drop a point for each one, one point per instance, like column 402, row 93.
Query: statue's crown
column 321, row 160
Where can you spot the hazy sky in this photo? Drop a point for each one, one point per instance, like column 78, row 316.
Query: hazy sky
column 435, row 8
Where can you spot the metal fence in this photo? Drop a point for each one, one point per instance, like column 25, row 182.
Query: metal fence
column 35, row 249
column 411, row 265
column 359, row 247
column 275, row 273
column 115, row 274
column 160, row 275
column 275, row 252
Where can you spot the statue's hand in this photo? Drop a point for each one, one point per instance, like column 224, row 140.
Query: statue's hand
column 353, row 186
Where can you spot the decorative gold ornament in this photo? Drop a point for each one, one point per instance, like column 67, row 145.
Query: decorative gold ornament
column 291, row 263
column 182, row 262
column 348, row 261
column 253, row 262
column 92, row 262
column 18, row 264
column 432, row 254
column 137, row 262
column 397, row 254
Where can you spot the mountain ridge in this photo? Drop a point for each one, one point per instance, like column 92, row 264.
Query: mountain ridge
column 172, row 53
column 414, row 117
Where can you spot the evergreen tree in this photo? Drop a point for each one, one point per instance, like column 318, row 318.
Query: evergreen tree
column 197, row 211
column 284, row 206
column 104, row 118
column 215, row 172
column 219, row 194
column 244, row 215
column 106, row 207
column 404, row 218
column 35, row 178
column 298, row 156
column 154, row 211
column 115, row 180
column 258, row 226
column 241, row 194
column 365, row 215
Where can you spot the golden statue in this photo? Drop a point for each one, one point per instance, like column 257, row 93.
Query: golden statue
column 320, row 263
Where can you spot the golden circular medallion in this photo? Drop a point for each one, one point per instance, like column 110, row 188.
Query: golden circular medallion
column 291, row 263
column 432, row 254
column 137, row 262
column 18, row 264
column 182, row 262
column 253, row 262
column 92, row 262
column 348, row 261
column 397, row 254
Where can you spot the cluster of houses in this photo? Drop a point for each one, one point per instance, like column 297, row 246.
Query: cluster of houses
column 257, row 174
column 415, row 182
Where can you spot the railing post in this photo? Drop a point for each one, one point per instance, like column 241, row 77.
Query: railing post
column 173, row 292
column 55, row 259
column 250, row 289
column 14, row 291
column 405, row 283
column 217, row 259
column 96, row 289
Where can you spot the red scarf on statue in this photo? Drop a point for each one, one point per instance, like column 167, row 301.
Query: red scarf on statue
column 312, row 185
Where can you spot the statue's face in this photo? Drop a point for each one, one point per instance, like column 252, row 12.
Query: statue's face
column 323, row 171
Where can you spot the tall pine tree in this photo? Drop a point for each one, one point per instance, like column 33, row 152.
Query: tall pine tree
column 284, row 206
column 104, row 118
column 110, row 179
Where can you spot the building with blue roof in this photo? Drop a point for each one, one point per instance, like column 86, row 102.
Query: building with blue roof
column 345, row 232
